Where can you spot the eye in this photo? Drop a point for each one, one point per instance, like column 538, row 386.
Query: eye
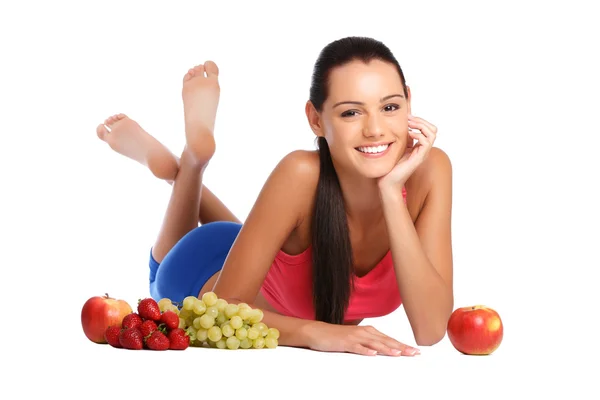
column 349, row 113
column 391, row 107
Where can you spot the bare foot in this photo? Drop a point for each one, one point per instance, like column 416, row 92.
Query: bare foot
column 126, row 137
column 200, row 101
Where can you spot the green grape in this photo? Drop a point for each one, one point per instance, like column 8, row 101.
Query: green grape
column 169, row 307
column 245, row 343
column 273, row 333
column 221, row 304
column 189, row 321
column 163, row 303
column 191, row 331
column 202, row 335
column 210, row 298
column 183, row 313
column 212, row 311
column 236, row 322
column 197, row 323
column 215, row 334
column 211, row 344
column 221, row 344
column 256, row 317
column 270, row 342
column 245, row 313
column 221, row 319
column 258, row 343
column 233, row 343
column 206, row 321
column 227, row 330
column 244, row 305
column 182, row 323
column 199, row 307
column 246, row 325
column 231, row 310
column 241, row 333
column 262, row 328
column 253, row 333
column 188, row 302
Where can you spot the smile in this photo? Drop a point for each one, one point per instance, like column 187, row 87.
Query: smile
column 374, row 151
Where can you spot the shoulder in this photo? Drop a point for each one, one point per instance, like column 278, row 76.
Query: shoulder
column 301, row 167
column 432, row 179
column 436, row 169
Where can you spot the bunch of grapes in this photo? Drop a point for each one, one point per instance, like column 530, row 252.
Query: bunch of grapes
column 213, row 322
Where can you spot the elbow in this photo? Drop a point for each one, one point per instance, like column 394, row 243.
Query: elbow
column 430, row 338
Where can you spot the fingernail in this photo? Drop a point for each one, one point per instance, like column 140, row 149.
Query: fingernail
column 412, row 352
column 396, row 352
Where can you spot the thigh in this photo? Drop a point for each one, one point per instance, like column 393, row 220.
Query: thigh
column 192, row 262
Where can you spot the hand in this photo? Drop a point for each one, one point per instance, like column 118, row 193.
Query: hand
column 364, row 340
column 414, row 155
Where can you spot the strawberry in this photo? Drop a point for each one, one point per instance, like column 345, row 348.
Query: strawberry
column 147, row 328
column 131, row 320
column 111, row 335
column 132, row 339
column 179, row 339
column 158, row 341
column 148, row 309
column 170, row 319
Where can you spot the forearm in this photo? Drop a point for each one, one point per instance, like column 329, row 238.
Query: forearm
column 426, row 297
column 293, row 332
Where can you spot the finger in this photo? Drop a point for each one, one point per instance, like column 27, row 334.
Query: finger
column 425, row 130
column 360, row 349
column 378, row 345
column 431, row 127
column 394, row 344
column 421, row 138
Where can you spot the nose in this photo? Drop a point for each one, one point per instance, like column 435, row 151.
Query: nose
column 373, row 127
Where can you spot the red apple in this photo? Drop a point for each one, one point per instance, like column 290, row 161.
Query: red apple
column 100, row 312
column 475, row 330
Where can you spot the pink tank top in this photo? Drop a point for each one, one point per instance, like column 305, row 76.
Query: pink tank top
column 288, row 287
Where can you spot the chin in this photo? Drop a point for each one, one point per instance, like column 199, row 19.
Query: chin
column 376, row 172
column 375, row 168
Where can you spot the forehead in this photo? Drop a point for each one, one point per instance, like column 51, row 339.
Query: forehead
column 359, row 79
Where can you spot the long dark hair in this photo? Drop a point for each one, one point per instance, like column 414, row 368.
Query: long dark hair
column 331, row 248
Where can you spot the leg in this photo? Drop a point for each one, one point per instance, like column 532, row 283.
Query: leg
column 200, row 99
column 128, row 138
column 193, row 261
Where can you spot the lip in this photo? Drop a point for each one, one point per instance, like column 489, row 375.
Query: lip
column 375, row 144
column 375, row 155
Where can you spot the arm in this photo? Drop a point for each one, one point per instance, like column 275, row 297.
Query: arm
column 422, row 253
column 276, row 213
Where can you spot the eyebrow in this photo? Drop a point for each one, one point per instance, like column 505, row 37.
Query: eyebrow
column 362, row 104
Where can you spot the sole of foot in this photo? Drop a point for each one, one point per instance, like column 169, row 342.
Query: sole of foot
column 128, row 138
column 200, row 93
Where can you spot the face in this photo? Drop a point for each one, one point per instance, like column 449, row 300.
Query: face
column 365, row 118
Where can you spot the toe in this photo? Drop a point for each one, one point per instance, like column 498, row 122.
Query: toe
column 189, row 75
column 211, row 69
column 101, row 131
column 199, row 70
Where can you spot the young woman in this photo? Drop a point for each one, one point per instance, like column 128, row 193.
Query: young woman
column 347, row 232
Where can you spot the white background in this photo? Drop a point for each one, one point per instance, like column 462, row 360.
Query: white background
column 512, row 89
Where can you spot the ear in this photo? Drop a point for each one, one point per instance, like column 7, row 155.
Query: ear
column 314, row 119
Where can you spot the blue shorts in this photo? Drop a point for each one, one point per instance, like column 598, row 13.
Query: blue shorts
column 192, row 261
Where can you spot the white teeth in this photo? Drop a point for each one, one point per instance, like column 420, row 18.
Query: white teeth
column 373, row 150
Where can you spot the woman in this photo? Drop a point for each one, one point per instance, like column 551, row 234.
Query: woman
column 340, row 234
